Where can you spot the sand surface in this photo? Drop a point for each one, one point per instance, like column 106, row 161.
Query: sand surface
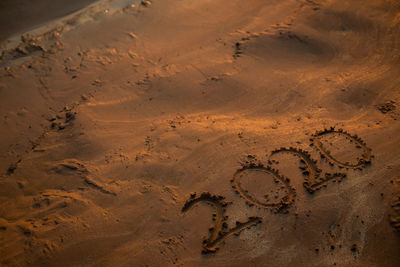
column 18, row 16
column 204, row 133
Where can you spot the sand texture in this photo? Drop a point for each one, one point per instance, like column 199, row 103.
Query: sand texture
column 204, row 133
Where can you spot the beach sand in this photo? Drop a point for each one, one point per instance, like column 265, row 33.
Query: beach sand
column 203, row 133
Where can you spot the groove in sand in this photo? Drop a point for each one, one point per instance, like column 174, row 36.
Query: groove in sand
column 219, row 231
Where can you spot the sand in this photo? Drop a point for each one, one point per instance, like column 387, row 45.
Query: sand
column 19, row 16
column 203, row 133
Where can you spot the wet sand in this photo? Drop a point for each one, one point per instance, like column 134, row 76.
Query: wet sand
column 204, row 133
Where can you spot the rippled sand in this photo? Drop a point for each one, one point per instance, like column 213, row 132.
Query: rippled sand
column 132, row 132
